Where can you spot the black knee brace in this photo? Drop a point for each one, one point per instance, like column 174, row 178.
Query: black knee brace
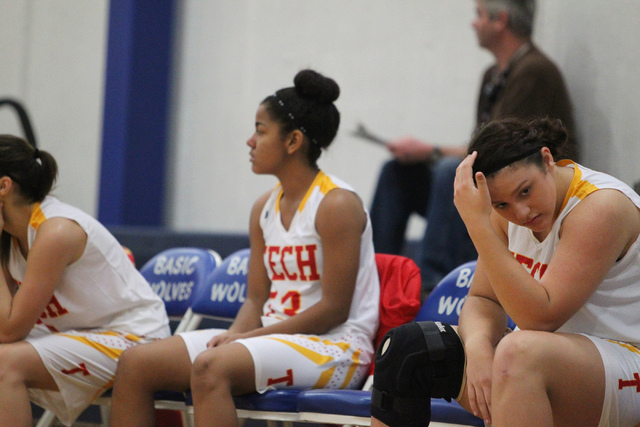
column 414, row 363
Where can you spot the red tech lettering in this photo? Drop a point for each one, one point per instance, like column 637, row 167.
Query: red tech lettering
column 272, row 295
column 271, row 251
column 529, row 265
column 81, row 368
column 309, row 263
column 631, row 383
column 526, row 261
column 287, row 379
column 541, row 267
column 294, row 298
column 54, row 309
column 51, row 328
column 305, row 258
column 289, row 250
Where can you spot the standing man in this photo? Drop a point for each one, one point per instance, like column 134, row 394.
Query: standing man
column 523, row 82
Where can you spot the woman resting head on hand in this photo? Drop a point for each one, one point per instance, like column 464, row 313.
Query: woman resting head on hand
column 558, row 252
column 71, row 301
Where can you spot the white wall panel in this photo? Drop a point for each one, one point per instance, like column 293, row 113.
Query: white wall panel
column 406, row 67
column 53, row 55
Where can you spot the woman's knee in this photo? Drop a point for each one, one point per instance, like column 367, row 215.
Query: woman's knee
column 160, row 365
column 518, row 353
column 8, row 368
column 22, row 366
column 229, row 367
column 208, row 370
column 131, row 364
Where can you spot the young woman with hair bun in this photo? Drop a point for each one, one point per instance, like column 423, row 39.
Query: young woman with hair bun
column 311, row 310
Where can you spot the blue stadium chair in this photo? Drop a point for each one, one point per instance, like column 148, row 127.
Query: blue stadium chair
column 175, row 275
column 224, row 292
column 446, row 299
column 352, row 407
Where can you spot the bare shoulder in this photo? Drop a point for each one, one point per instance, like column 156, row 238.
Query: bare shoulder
column 59, row 236
column 258, row 205
column 341, row 208
column 61, row 230
column 342, row 197
column 341, row 202
column 607, row 205
column 607, row 213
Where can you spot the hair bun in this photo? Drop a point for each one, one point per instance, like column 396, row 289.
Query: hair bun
column 313, row 85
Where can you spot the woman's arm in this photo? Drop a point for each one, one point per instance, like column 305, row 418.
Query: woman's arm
column 593, row 236
column 482, row 324
column 340, row 222
column 59, row 243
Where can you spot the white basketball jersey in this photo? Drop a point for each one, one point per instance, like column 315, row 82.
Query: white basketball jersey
column 613, row 311
column 293, row 259
column 102, row 289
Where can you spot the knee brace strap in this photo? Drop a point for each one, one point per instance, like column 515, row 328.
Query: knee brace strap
column 447, row 357
column 415, row 362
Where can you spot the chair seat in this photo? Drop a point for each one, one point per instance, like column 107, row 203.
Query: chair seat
column 357, row 403
column 284, row 400
column 340, row 402
column 159, row 395
column 452, row 413
column 176, row 396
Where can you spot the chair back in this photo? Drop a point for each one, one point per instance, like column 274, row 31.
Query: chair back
column 176, row 274
column 445, row 301
column 400, row 285
column 225, row 290
column 399, row 292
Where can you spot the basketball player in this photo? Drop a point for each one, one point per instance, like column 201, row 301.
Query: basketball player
column 559, row 253
column 71, row 301
column 313, row 290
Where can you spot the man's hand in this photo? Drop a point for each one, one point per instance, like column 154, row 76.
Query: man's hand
column 410, row 150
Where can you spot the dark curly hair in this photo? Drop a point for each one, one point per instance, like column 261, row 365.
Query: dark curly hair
column 501, row 143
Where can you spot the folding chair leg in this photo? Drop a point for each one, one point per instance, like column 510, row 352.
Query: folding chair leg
column 273, row 423
column 47, row 419
column 104, row 415
column 187, row 419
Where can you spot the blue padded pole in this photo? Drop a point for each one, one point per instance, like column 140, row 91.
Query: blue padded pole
column 136, row 109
